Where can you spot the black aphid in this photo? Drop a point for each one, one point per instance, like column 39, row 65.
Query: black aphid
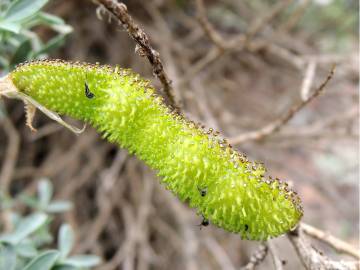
column 203, row 191
column 205, row 222
column 88, row 93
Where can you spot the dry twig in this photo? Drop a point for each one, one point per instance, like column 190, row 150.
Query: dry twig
column 11, row 155
column 282, row 121
column 143, row 48
column 239, row 42
column 308, row 80
column 219, row 254
column 313, row 259
column 258, row 256
column 261, row 22
column 278, row 264
column 295, row 16
column 330, row 240
column 209, row 30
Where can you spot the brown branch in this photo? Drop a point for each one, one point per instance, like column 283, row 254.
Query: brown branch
column 308, row 80
column 11, row 155
column 330, row 240
column 257, row 26
column 278, row 264
column 218, row 253
column 239, row 42
column 295, row 16
column 260, row 23
column 143, row 48
column 209, row 30
column 263, row 45
column 282, row 121
column 321, row 129
column 258, row 256
column 211, row 56
column 7, row 169
column 313, row 259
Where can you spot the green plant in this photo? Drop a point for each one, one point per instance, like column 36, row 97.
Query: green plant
column 18, row 42
column 24, row 246
column 195, row 164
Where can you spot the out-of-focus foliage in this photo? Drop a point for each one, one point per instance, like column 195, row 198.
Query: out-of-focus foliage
column 26, row 242
column 26, row 245
column 18, row 41
column 114, row 195
column 334, row 22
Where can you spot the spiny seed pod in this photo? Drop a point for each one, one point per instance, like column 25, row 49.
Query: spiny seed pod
column 196, row 165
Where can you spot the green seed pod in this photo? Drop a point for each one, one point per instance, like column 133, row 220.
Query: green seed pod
column 196, row 165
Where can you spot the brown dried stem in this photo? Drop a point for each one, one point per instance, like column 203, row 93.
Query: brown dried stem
column 260, row 23
column 295, row 16
column 209, row 30
column 12, row 152
column 283, row 120
column 144, row 48
column 258, row 256
column 313, row 259
column 240, row 42
column 327, row 238
column 278, row 264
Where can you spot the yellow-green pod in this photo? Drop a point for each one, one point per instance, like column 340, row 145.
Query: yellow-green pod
column 197, row 166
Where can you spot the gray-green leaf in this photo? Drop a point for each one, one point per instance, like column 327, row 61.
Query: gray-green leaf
column 7, row 257
column 65, row 267
column 21, row 52
column 26, row 249
column 20, row 10
column 50, row 19
column 44, row 261
column 10, row 26
column 82, row 261
column 45, row 191
column 66, row 240
column 58, row 207
column 52, row 44
column 26, row 227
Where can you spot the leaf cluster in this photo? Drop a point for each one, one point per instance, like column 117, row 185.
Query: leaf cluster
column 28, row 245
column 18, row 39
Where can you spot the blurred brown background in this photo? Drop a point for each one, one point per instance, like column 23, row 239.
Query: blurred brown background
column 121, row 212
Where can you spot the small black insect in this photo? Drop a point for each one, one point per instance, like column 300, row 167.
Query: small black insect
column 88, row 93
column 205, row 222
column 203, row 191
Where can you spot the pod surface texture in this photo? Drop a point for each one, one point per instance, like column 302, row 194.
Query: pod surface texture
column 196, row 165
